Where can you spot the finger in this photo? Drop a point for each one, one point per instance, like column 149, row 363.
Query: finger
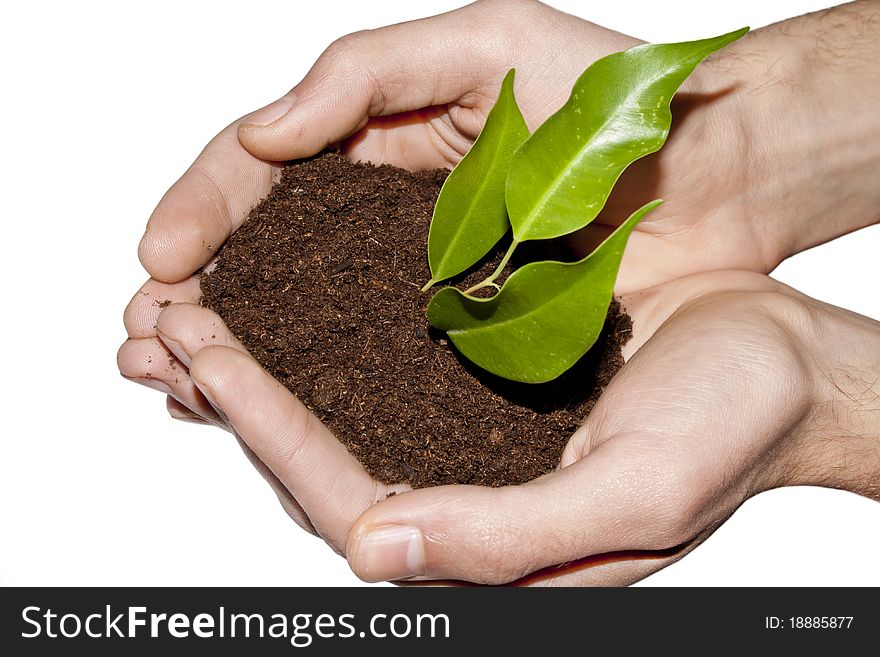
column 611, row 501
column 330, row 485
column 613, row 569
column 185, row 329
column 150, row 363
column 616, row 572
column 147, row 362
column 424, row 139
column 386, row 71
column 180, row 412
column 619, row 568
column 203, row 208
column 143, row 310
column 288, row 502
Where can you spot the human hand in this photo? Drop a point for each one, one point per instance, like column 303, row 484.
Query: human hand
column 394, row 90
column 747, row 386
column 734, row 384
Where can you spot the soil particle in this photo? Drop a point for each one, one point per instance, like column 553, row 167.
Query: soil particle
column 321, row 284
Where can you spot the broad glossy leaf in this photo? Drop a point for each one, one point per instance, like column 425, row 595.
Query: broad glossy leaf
column 470, row 215
column 546, row 316
column 618, row 112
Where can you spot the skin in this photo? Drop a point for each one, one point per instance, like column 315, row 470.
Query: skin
column 659, row 464
column 662, row 461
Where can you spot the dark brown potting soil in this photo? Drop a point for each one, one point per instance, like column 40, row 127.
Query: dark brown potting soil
column 321, row 284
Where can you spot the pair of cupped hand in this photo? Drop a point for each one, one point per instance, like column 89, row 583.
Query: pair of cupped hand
column 716, row 402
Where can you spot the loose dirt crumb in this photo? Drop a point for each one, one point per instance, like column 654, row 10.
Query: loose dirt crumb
column 321, row 284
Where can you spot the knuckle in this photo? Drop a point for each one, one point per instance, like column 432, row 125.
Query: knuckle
column 297, row 425
column 204, row 183
column 207, row 358
column 513, row 6
column 502, row 23
column 347, row 49
column 206, row 366
column 352, row 61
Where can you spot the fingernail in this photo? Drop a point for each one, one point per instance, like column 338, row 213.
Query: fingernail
column 388, row 553
column 270, row 113
column 175, row 348
column 206, row 392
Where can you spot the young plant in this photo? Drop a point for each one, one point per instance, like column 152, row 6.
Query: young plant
column 548, row 314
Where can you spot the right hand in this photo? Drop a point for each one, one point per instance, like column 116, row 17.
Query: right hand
column 733, row 384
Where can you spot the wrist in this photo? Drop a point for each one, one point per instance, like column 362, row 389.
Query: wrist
column 803, row 95
column 837, row 444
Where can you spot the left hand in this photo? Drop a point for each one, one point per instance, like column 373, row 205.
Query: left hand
column 387, row 96
column 727, row 391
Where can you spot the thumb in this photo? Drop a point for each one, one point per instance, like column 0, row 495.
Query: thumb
column 607, row 502
column 374, row 73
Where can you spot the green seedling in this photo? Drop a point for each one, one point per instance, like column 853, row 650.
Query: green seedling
column 548, row 314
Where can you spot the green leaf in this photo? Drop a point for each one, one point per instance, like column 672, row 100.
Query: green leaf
column 470, row 215
column 618, row 112
column 546, row 316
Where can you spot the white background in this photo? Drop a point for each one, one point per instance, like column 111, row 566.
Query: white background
column 103, row 107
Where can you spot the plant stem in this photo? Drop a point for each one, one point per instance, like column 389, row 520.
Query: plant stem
column 501, row 265
column 428, row 285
